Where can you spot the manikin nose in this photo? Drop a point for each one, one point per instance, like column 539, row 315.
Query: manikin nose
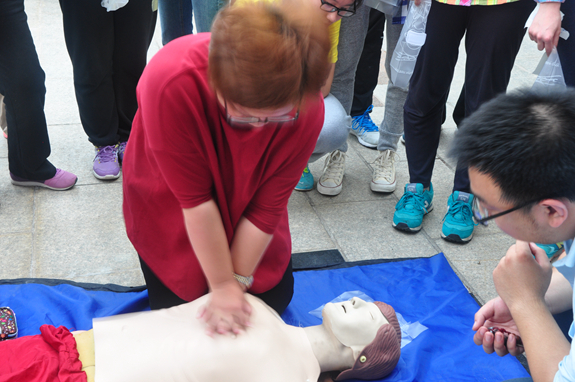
column 357, row 303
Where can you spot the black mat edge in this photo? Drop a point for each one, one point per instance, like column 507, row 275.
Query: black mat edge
column 88, row 286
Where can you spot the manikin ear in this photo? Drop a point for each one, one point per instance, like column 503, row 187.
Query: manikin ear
column 356, row 350
column 556, row 211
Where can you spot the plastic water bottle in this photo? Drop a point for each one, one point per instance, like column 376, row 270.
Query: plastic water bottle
column 410, row 41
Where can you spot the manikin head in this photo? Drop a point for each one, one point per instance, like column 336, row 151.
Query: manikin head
column 520, row 152
column 371, row 331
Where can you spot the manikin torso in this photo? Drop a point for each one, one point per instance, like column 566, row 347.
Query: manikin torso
column 170, row 345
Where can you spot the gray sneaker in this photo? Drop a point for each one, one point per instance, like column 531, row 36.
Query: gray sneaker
column 106, row 165
column 383, row 179
column 331, row 180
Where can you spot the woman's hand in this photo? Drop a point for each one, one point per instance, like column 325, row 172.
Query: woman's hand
column 227, row 311
column 496, row 314
column 546, row 26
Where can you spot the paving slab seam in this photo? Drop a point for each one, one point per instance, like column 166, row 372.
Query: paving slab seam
column 324, row 225
column 33, row 260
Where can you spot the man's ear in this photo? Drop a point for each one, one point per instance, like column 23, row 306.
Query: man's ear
column 556, row 211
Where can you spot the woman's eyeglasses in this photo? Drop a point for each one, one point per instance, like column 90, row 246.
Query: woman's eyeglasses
column 245, row 121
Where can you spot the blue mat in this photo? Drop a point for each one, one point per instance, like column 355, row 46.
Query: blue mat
column 425, row 290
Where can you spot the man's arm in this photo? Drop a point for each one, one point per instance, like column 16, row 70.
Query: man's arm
column 522, row 279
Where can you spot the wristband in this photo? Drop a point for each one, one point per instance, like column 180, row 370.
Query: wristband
column 247, row 281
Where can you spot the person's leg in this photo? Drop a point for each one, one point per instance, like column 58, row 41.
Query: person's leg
column 159, row 295
column 333, row 134
column 205, row 11
column 367, row 71
column 493, row 38
column 366, row 76
column 566, row 48
column 423, row 110
column 430, row 85
column 280, row 296
column 175, row 19
column 134, row 26
column 22, row 84
column 391, row 128
column 89, row 35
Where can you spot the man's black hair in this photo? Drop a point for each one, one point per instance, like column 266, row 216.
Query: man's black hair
column 525, row 142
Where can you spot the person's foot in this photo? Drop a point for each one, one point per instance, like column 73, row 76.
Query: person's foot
column 383, row 179
column 331, row 180
column 364, row 129
column 402, row 139
column 63, row 180
column 551, row 249
column 106, row 164
column 4, row 133
column 121, row 150
column 415, row 203
column 458, row 223
column 306, row 181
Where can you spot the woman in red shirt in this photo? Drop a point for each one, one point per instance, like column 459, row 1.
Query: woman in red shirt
column 225, row 126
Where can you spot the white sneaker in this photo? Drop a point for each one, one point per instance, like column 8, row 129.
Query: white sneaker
column 383, row 179
column 332, row 177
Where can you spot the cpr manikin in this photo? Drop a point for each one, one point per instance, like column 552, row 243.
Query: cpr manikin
column 170, row 345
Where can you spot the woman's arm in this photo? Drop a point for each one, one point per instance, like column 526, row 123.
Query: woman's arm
column 248, row 246
column 227, row 311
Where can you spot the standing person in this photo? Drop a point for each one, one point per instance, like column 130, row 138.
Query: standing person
column 224, row 128
column 22, row 84
column 108, row 50
column 176, row 16
column 386, row 138
column 506, row 144
column 337, row 122
column 545, row 31
column 493, row 32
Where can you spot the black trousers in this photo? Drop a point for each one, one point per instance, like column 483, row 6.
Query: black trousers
column 493, row 35
column 367, row 71
column 22, row 84
column 108, row 52
column 566, row 48
column 161, row 296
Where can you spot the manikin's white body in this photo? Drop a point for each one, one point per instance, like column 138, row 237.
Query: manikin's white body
column 170, row 345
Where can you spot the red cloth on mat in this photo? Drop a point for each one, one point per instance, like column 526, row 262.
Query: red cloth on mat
column 48, row 357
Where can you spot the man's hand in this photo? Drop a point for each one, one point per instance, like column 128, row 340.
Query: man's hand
column 546, row 26
column 522, row 277
column 227, row 312
column 496, row 313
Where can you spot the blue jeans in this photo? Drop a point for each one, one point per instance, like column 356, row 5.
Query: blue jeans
column 176, row 16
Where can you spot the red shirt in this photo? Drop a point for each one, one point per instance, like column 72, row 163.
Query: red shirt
column 182, row 153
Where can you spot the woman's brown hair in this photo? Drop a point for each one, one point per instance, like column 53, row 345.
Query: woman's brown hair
column 265, row 55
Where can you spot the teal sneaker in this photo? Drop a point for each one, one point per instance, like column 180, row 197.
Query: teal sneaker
column 306, row 181
column 458, row 223
column 365, row 130
column 413, row 205
column 551, row 249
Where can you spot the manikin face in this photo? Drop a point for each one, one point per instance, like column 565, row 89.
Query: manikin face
column 355, row 322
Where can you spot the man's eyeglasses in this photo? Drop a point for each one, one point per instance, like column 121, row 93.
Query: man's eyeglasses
column 246, row 121
column 343, row 12
column 481, row 214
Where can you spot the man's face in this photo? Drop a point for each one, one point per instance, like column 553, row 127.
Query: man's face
column 354, row 322
column 332, row 17
column 517, row 224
